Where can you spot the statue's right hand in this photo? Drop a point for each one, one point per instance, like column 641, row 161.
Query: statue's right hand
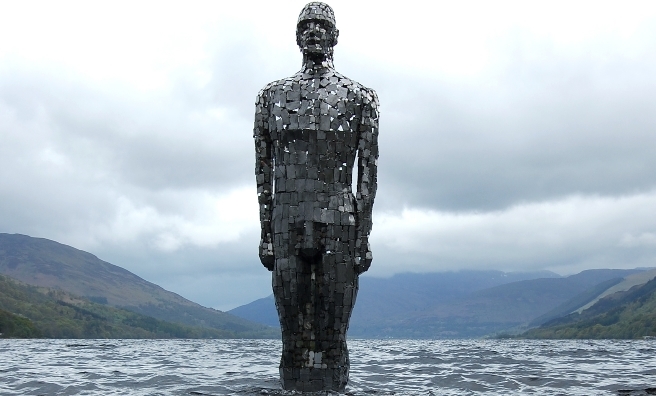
column 266, row 254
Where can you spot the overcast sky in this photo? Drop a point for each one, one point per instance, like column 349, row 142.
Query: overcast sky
column 514, row 135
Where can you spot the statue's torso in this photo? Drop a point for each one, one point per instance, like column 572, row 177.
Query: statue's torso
column 313, row 123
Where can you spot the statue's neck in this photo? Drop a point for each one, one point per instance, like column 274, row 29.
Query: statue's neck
column 314, row 64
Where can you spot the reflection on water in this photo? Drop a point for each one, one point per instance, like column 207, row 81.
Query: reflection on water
column 378, row 367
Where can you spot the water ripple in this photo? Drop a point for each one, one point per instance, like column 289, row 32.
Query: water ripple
column 378, row 367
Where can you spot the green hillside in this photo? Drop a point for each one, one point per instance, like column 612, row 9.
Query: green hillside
column 45, row 263
column 624, row 315
column 16, row 326
column 27, row 311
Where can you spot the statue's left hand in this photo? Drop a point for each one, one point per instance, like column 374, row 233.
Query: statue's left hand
column 363, row 261
column 266, row 254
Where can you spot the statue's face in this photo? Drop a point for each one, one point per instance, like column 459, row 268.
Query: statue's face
column 316, row 37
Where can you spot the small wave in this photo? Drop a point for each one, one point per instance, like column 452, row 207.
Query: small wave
column 378, row 367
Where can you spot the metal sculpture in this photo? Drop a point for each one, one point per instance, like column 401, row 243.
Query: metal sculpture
column 309, row 129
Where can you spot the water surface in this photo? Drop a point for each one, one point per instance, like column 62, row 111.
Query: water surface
column 378, row 367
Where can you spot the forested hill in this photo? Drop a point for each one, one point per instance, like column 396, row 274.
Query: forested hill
column 626, row 314
column 45, row 263
column 28, row 312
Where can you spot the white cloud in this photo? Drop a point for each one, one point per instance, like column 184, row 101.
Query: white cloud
column 642, row 239
column 176, row 219
column 514, row 135
column 562, row 235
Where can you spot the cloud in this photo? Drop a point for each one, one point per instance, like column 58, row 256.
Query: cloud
column 563, row 235
column 175, row 219
column 642, row 239
column 539, row 128
column 513, row 136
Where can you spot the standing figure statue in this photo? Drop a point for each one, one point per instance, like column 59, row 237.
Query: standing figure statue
column 309, row 129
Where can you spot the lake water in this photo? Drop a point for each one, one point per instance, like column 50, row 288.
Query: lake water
column 378, row 367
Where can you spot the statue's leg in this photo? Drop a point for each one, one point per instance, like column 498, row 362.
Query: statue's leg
column 338, row 294
column 314, row 297
column 286, row 280
column 293, row 286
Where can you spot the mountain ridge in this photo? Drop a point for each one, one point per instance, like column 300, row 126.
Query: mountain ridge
column 469, row 305
column 626, row 314
column 28, row 311
column 46, row 263
column 462, row 304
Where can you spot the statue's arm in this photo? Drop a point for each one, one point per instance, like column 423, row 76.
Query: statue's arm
column 367, row 174
column 264, row 175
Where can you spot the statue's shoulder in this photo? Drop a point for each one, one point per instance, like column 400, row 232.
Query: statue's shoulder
column 278, row 85
column 367, row 95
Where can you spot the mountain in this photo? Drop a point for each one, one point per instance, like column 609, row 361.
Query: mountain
column 45, row 263
column 501, row 308
column 16, row 326
column 382, row 301
column 461, row 304
column 575, row 302
column 262, row 310
column 27, row 312
column 625, row 284
column 626, row 314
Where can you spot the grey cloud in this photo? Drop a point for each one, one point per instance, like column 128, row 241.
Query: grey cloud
column 239, row 68
column 535, row 129
column 564, row 235
column 571, row 129
column 150, row 145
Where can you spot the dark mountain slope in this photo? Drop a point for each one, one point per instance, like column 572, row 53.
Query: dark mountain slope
column 385, row 301
column 46, row 263
column 501, row 308
column 16, row 326
column 575, row 302
column 27, row 312
column 627, row 314
column 524, row 300
column 262, row 310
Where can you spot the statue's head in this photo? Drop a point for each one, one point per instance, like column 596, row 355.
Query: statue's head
column 316, row 33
